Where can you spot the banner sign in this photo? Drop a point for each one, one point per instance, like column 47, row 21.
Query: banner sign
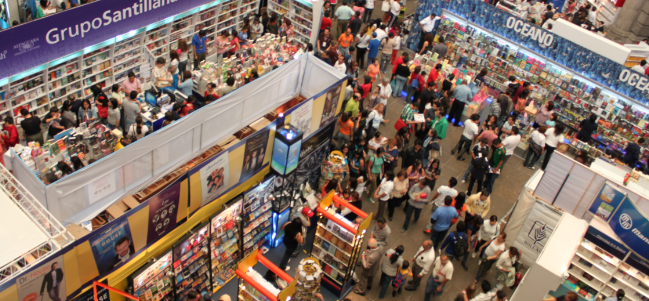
column 215, row 177
column 46, row 283
column 49, row 38
column 301, row 117
column 631, row 226
column 112, row 246
column 254, row 154
column 598, row 68
column 314, row 150
column 163, row 211
column 331, row 104
column 638, row 263
column 605, row 242
column 102, row 294
column 606, row 200
column 536, row 231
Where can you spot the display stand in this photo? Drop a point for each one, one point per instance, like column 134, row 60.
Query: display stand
column 253, row 287
column 471, row 48
column 305, row 16
column 153, row 281
column 224, row 244
column 257, row 216
column 192, row 262
column 337, row 243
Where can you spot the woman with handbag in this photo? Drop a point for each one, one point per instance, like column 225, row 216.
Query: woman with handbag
column 374, row 120
column 536, row 147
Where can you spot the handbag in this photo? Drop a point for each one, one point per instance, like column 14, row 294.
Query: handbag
column 535, row 147
column 399, row 124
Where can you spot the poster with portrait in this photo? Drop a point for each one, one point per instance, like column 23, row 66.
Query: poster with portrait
column 44, row 283
column 112, row 246
column 103, row 294
column 301, row 118
column 314, row 150
column 215, row 177
column 253, row 156
column 163, row 211
column 331, row 103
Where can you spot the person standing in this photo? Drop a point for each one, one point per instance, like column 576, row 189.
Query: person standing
column 369, row 266
column 554, row 136
column 536, row 147
column 398, row 192
column 345, row 40
column 418, row 196
column 369, row 8
column 440, row 197
column 422, row 262
column 200, row 49
column 492, row 250
column 479, row 168
column 439, row 124
column 507, row 261
column 477, row 205
column 52, row 282
column 496, row 162
column 131, row 109
column 505, row 101
column 476, row 152
column 373, row 48
column 363, row 41
column 292, row 238
column 511, row 143
column 382, row 193
column 456, row 238
column 489, row 230
column 587, row 127
column 468, row 135
column 632, row 152
column 428, row 25
column 442, row 273
column 441, row 49
column 389, row 268
column 356, row 23
column 395, row 8
column 462, row 95
column 131, row 84
column 31, row 125
column 386, row 53
column 441, row 220
column 343, row 15
column 385, row 90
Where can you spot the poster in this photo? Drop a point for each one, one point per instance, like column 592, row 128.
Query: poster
column 253, row 157
column 536, row 231
column 606, row 200
column 313, row 151
column 331, row 104
column 215, row 177
column 301, row 118
column 163, row 211
column 112, row 246
column 102, row 294
column 631, row 226
column 101, row 187
column 44, row 283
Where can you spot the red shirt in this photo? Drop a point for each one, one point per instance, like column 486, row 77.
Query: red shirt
column 326, row 23
column 397, row 63
column 185, row 109
column 366, row 89
column 419, row 78
column 216, row 96
column 646, row 71
column 12, row 135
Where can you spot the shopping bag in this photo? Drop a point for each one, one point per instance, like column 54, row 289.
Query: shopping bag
column 399, row 124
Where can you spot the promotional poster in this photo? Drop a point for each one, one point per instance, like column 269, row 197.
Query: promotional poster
column 254, row 154
column 331, row 103
column 606, row 200
column 314, row 150
column 112, row 246
column 45, row 283
column 163, row 209
column 301, row 118
column 215, row 177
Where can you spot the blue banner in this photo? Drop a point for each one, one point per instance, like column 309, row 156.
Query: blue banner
column 631, row 225
column 587, row 63
column 606, row 200
column 49, row 38
column 605, row 242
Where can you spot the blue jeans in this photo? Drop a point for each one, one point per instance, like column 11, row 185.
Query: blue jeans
column 431, row 288
column 385, row 62
column 367, row 16
column 437, row 237
column 411, row 92
column 501, row 120
column 534, row 157
column 385, row 283
column 467, row 172
column 287, row 255
column 343, row 50
column 491, row 179
column 399, row 82
column 411, row 209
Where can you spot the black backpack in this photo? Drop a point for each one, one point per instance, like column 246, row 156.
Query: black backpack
column 460, row 246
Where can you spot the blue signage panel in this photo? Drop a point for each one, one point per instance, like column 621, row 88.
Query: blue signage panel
column 631, row 226
column 638, row 263
column 606, row 200
column 280, row 156
column 293, row 156
column 605, row 242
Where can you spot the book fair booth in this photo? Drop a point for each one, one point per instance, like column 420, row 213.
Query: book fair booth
column 582, row 230
column 181, row 208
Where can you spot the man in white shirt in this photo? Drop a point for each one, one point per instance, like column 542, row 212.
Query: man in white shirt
column 442, row 273
column 592, row 16
column 471, row 130
column 381, row 232
column 486, row 295
column 428, row 25
column 537, row 140
column 381, row 33
column 511, row 143
column 395, row 8
column 385, row 90
column 421, row 264
column 641, row 67
column 383, row 192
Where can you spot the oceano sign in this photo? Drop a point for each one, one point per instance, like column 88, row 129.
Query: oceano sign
column 527, row 29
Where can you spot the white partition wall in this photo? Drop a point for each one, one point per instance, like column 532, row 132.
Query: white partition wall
column 89, row 191
column 572, row 186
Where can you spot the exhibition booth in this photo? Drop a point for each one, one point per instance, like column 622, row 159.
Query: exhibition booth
column 174, row 186
column 582, row 230
column 472, row 47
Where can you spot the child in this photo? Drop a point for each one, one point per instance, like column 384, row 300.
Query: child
column 401, row 277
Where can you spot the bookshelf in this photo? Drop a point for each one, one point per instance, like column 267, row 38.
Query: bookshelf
column 192, row 262
column 224, row 245
column 109, row 62
column 257, row 216
column 306, row 17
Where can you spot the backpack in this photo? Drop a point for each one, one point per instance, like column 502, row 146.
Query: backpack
column 460, row 247
column 415, row 83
